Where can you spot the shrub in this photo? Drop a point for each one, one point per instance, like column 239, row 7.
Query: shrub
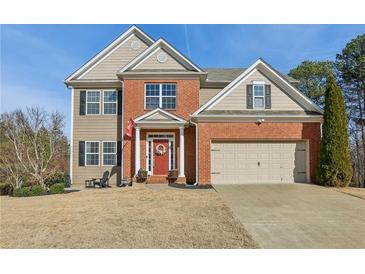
column 6, row 189
column 37, row 190
column 57, row 188
column 22, row 191
column 28, row 191
column 57, row 178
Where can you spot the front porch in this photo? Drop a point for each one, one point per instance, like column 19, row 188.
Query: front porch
column 160, row 146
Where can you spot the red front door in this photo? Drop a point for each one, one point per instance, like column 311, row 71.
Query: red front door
column 160, row 157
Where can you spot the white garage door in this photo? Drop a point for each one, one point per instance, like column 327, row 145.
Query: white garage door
column 258, row 162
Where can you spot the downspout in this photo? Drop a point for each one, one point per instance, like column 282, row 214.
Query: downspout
column 196, row 153
column 321, row 129
column 122, row 139
column 71, row 133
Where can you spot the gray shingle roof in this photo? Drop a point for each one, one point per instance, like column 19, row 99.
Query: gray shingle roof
column 229, row 74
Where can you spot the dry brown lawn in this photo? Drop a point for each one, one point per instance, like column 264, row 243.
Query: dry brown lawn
column 354, row 191
column 134, row 217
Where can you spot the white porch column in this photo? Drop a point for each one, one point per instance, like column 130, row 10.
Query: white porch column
column 182, row 153
column 137, row 157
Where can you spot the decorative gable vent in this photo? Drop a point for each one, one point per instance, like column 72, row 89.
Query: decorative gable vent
column 162, row 57
column 135, row 45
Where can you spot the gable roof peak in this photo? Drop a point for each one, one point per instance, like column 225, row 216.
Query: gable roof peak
column 161, row 43
column 260, row 63
column 172, row 117
column 132, row 30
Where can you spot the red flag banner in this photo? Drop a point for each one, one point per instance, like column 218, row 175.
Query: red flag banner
column 130, row 126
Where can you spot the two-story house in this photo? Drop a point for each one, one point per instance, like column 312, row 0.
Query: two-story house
column 215, row 125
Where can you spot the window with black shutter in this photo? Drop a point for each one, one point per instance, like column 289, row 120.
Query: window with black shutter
column 249, row 96
column 267, row 96
column 81, row 153
column 83, row 102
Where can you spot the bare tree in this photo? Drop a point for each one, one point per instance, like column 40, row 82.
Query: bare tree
column 10, row 169
column 37, row 140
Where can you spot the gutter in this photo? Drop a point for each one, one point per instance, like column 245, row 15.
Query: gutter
column 71, row 135
column 253, row 118
column 196, row 153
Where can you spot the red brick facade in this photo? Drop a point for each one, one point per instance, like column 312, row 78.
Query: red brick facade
column 187, row 101
column 252, row 131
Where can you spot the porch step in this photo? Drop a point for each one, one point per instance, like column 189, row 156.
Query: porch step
column 163, row 180
column 157, row 180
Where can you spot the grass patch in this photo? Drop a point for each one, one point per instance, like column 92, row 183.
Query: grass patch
column 137, row 217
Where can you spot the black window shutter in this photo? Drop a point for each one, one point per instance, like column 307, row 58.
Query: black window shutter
column 81, row 153
column 249, row 96
column 267, row 96
column 119, row 102
column 119, row 153
column 82, row 102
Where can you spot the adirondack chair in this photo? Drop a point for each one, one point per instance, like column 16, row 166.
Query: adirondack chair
column 104, row 181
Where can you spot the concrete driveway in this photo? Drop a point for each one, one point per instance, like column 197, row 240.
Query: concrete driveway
column 297, row 215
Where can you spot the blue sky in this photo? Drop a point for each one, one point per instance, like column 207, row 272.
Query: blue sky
column 35, row 59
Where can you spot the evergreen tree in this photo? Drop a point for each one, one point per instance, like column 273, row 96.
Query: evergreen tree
column 334, row 160
column 312, row 76
column 350, row 66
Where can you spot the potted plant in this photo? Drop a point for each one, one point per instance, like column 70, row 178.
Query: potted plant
column 173, row 175
column 142, row 175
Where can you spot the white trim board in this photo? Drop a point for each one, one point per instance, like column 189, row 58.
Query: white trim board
column 72, row 134
column 170, row 138
column 159, row 110
column 254, row 119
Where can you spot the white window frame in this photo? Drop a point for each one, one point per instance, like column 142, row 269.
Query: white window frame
column 170, row 136
column 86, row 153
column 261, row 96
column 160, row 96
column 154, row 96
column 102, row 152
column 116, row 102
column 100, row 95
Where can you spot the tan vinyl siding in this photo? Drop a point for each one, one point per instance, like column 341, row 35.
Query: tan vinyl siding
column 158, row 117
column 93, row 128
column 236, row 100
column 152, row 63
column 108, row 68
column 205, row 94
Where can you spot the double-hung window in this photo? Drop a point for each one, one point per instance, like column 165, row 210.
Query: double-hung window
column 93, row 102
column 92, row 153
column 160, row 96
column 258, row 96
column 168, row 96
column 110, row 102
column 152, row 96
column 109, row 153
